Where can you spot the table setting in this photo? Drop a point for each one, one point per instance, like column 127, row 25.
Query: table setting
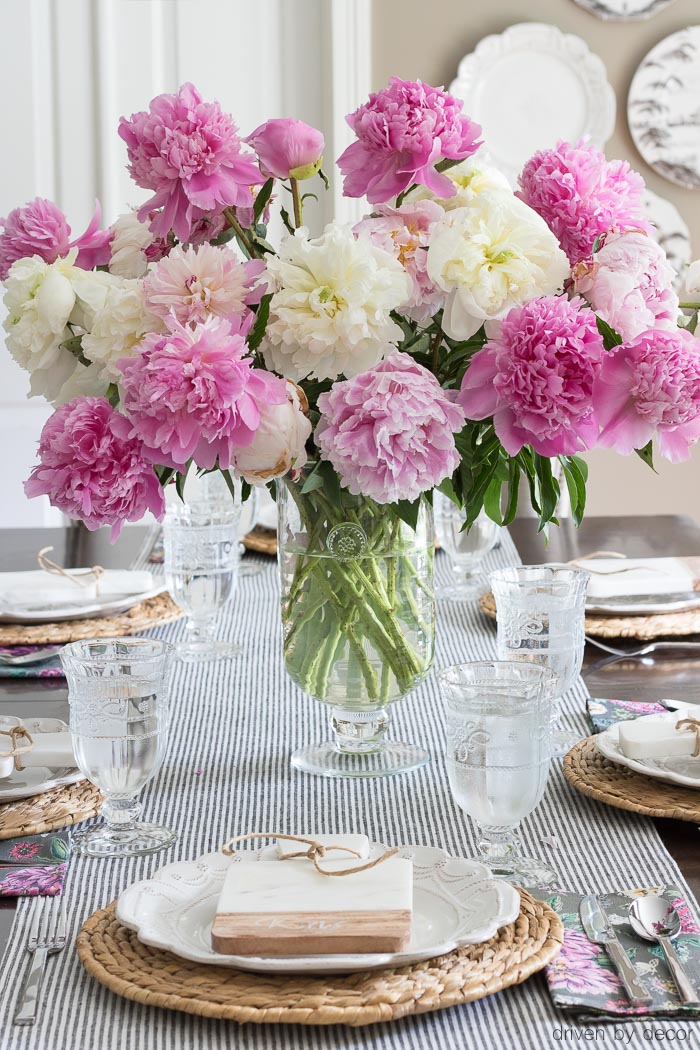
column 288, row 800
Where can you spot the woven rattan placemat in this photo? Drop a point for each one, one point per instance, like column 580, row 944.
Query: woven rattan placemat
column 262, row 540
column 149, row 613
column 58, row 808
column 644, row 628
column 592, row 774
column 115, row 957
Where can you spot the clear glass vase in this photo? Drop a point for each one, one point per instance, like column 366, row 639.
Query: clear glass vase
column 358, row 620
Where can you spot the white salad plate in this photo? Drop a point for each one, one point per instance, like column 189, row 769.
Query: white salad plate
column 623, row 10
column 79, row 609
column 642, row 605
column 683, row 771
column 455, row 902
column 33, row 780
column 663, row 108
column 530, row 86
column 670, row 231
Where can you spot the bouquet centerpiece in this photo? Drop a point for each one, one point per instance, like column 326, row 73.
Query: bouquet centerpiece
column 461, row 336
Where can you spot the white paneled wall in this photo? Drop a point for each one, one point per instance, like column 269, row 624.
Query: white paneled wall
column 70, row 68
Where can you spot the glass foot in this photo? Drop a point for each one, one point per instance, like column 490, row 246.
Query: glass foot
column 561, row 742
column 205, row 652
column 326, row 760
column 524, row 871
column 469, row 590
column 139, row 838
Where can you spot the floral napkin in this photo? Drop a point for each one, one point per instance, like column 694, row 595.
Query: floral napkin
column 46, row 669
column 582, row 978
column 604, row 713
column 35, row 865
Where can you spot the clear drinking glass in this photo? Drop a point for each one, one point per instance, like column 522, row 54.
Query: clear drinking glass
column 118, row 696
column 541, row 619
column 202, row 559
column 497, row 756
column 466, row 550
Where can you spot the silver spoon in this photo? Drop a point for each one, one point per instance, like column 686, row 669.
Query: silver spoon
column 654, row 919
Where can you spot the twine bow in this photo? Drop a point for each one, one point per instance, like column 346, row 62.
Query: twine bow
column 693, row 726
column 576, row 562
column 83, row 578
column 16, row 734
column 314, row 853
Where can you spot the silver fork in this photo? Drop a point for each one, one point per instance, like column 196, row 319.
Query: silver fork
column 47, row 935
column 645, row 650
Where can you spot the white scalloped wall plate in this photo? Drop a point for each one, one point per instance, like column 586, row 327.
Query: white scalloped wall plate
column 671, row 231
column 623, row 10
column 530, row 86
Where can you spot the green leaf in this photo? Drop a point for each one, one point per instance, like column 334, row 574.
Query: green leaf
column 647, row 454
column 224, row 237
column 314, row 480
column 180, row 479
column 597, row 243
column 262, row 199
column 513, row 491
column 324, row 178
column 260, row 324
column 112, row 394
column 309, row 196
column 575, row 474
column 611, row 338
column 284, row 215
column 408, row 511
column 164, row 474
column 548, row 490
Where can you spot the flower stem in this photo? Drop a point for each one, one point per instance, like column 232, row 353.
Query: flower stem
column 296, row 201
column 689, row 306
column 434, row 349
column 243, row 238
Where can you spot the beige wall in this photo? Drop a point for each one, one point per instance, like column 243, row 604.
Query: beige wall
column 419, row 38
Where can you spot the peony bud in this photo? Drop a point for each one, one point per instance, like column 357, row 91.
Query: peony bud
column 278, row 444
column 288, row 148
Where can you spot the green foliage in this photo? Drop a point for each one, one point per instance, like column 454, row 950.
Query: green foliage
column 647, row 454
column 262, row 200
column 611, row 338
column 260, row 324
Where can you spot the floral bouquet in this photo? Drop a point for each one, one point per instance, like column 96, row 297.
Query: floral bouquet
column 460, row 336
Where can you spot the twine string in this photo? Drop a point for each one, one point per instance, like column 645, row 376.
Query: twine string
column 576, row 562
column 692, row 725
column 316, row 851
column 83, row 577
column 16, row 734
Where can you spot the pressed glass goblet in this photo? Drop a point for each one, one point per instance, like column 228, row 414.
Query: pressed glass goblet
column 465, row 549
column 118, row 696
column 541, row 619
column 202, row 559
column 497, row 756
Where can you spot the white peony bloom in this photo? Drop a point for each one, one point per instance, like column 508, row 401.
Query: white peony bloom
column 131, row 239
column 331, row 312
column 471, row 177
column 691, row 281
column 115, row 317
column 490, row 255
column 279, row 443
column 41, row 301
column 85, row 381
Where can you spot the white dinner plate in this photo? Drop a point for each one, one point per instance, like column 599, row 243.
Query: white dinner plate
column 78, row 610
column 34, row 779
column 684, row 771
column 455, row 902
column 530, row 86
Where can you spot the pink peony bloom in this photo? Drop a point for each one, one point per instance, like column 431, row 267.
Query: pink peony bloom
column 189, row 153
column 191, row 284
column 279, row 443
column 629, row 283
column 536, row 376
column 40, row 228
column 405, row 232
column 402, row 132
column 288, row 148
column 581, row 195
column 389, row 431
column 648, row 386
column 91, row 467
column 193, row 393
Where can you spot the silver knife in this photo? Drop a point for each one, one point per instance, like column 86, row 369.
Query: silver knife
column 598, row 930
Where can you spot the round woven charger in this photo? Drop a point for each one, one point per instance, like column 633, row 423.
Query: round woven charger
column 116, row 958
column 149, row 613
column 643, row 628
column 594, row 775
column 58, row 808
column 262, row 540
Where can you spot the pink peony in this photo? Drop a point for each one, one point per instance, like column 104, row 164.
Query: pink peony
column 193, row 393
column 288, row 148
column 191, row 284
column 40, row 228
column 648, row 386
column 536, row 376
column 389, row 431
column 581, row 195
column 279, row 443
column 91, row 467
column 402, row 132
column 629, row 283
column 405, row 232
column 189, row 153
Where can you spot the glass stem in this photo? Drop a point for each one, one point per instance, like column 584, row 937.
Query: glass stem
column 500, row 843
column 200, row 633
column 359, row 732
column 120, row 813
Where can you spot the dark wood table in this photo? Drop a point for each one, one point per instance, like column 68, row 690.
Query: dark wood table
column 648, row 679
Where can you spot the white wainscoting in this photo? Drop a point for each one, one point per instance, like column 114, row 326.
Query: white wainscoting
column 70, row 68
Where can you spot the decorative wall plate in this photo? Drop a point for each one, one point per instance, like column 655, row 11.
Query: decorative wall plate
column 455, row 901
column 671, row 232
column 683, row 771
column 663, row 108
column 623, row 10
column 530, row 86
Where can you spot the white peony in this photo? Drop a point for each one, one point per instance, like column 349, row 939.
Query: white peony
column 691, row 281
column 41, row 301
column 131, row 239
column 85, row 381
column 471, row 177
column 331, row 312
column 490, row 255
column 279, row 443
column 115, row 317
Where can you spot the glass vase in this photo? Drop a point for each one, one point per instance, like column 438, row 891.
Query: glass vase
column 358, row 621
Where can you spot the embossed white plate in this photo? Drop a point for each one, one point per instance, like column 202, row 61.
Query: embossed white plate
column 455, row 902
column 623, row 10
column 33, row 780
column 80, row 609
column 671, row 231
column 684, row 771
column 530, row 86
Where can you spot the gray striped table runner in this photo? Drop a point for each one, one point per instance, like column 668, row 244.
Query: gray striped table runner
column 227, row 771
